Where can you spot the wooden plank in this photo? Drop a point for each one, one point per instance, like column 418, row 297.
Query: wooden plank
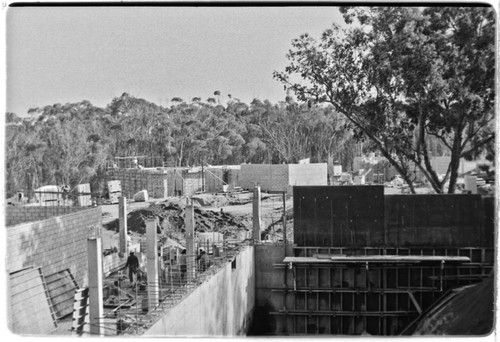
column 378, row 258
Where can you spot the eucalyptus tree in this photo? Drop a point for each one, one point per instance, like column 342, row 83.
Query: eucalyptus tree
column 401, row 74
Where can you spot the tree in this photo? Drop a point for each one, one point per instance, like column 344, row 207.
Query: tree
column 217, row 93
column 401, row 75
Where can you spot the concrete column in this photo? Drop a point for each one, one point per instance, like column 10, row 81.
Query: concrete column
column 256, row 213
column 122, row 212
column 152, row 263
column 96, row 303
column 471, row 184
column 190, row 247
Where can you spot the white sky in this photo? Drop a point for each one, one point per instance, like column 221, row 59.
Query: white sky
column 68, row 54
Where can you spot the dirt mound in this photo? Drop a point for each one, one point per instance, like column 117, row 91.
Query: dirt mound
column 170, row 216
column 207, row 200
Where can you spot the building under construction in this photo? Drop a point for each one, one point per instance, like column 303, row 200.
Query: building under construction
column 360, row 263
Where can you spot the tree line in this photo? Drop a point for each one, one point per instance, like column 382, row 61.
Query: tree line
column 404, row 76
column 74, row 143
column 406, row 82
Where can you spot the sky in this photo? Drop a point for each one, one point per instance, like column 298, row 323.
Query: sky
column 68, row 54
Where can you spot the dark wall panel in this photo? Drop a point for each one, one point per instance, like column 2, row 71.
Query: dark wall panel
column 361, row 216
column 436, row 220
column 339, row 216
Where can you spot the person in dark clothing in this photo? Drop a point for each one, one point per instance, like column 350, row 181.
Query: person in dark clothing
column 204, row 262
column 133, row 265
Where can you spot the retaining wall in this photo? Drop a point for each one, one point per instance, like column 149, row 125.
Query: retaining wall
column 54, row 244
column 222, row 306
column 16, row 215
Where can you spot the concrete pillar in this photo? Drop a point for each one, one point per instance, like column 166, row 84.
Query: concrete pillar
column 96, row 303
column 152, row 264
column 122, row 213
column 190, row 247
column 470, row 184
column 256, row 214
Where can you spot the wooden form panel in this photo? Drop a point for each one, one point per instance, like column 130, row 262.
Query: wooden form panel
column 350, row 299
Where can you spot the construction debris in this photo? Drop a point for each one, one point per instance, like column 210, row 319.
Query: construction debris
column 170, row 216
column 141, row 196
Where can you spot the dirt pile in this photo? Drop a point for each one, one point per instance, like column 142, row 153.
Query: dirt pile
column 170, row 216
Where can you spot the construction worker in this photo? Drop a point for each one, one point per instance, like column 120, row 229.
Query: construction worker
column 204, row 261
column 133, row 266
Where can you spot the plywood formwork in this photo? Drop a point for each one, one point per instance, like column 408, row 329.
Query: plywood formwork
column 333, row 296
column 368, row 264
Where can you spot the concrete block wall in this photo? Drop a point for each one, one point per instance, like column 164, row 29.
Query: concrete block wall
column 269, row 177
column 135, row 180
column 175, row 182
column 214, row 180
column 234, row 178
column 282, row 177
column 54, row 244
column 111, row 262
column 307, row 174
column 16, row 215
column 221, row 306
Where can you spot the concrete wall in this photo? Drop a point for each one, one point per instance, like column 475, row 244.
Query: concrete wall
column 16, row 215
column 54, row 244
column 307, row 174
column 269, row 177
column 267, row 278
column 222, row 306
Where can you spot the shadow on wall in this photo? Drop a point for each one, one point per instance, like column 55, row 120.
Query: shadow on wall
column 262, row 321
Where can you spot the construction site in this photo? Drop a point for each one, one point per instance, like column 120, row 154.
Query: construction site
column 252, row 250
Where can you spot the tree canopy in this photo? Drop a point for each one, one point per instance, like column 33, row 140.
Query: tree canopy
column 403, row 77
column 73, row 143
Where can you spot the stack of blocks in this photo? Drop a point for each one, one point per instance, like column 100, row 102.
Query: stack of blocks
column 115, row 191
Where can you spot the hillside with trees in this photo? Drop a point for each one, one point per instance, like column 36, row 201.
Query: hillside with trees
column 75, row 142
